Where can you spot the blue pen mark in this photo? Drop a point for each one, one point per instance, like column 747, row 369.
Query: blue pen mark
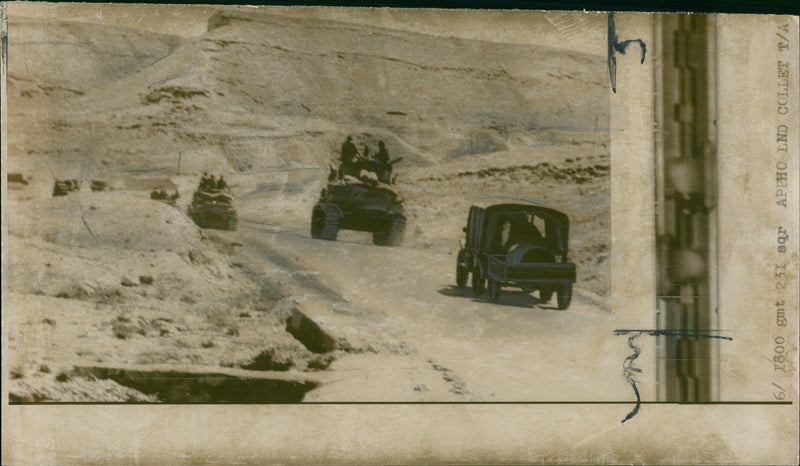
column 628, row 369
column 614, row 46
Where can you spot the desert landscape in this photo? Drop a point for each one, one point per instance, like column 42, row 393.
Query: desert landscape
column 111, row 296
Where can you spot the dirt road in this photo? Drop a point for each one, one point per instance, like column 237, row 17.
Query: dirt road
column 424, row 338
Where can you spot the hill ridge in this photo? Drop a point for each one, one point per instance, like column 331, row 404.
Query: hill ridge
column 259, row 90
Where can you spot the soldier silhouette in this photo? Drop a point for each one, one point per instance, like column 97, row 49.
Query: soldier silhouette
column 384, row 165
column 347, row 157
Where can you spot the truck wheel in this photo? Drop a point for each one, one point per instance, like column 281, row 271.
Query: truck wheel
column 478, row 281
column 324, row 225
column 461, row 269
column 564, row 296
column 494, row 290
column 545, row 295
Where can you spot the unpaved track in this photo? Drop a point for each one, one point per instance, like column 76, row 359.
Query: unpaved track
column 453, row 346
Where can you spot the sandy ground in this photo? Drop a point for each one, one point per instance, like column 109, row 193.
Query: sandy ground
column 105, row 289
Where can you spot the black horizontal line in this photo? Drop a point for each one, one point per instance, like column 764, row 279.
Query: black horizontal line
column 668, row 330
column 476, row 403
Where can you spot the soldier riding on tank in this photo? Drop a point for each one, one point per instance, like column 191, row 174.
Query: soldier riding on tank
column 383, row 163
column 348, row 157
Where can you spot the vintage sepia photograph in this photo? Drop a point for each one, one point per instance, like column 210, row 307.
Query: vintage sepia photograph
column 274, row 206
column 285, row 234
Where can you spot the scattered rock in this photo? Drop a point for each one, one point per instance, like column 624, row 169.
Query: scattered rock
column 123, row 328
column 109, row 295
column 207, row 344
column 282, row 309
column 181, row 343
column 146, row 279
column 44, row 369
column 74, row 389
column 456, row 383
column 62, row 377
column 73, row 290
column 197, row 257
column 320, row 362
column 164, row 326
column 401, row 348
column 49, row 321
column 127, row 281
column 309, row 333
column 344, row 345
column 269, row 360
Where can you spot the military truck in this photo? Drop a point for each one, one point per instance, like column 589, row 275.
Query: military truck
column 517, row 243
column 213, row 208
column 361, row 207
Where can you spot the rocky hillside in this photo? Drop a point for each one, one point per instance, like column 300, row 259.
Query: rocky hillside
column 258, row 91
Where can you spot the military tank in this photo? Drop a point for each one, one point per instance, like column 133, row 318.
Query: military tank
column 213, row 208
column 359, row 206
column 63, row 187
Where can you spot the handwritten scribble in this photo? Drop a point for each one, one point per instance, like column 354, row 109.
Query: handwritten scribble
column 614, row 46
column 629, row 371
column 675, row 333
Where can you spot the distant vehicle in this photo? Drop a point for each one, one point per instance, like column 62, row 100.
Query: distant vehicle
column 98, row 185
column 213, row 208
column 16, row 178
column 361, row 207
column 159, row 194
column 517, row 245
column 62, row 187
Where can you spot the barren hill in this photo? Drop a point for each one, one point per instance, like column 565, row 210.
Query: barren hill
column 51, row 60
column 259, row 90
